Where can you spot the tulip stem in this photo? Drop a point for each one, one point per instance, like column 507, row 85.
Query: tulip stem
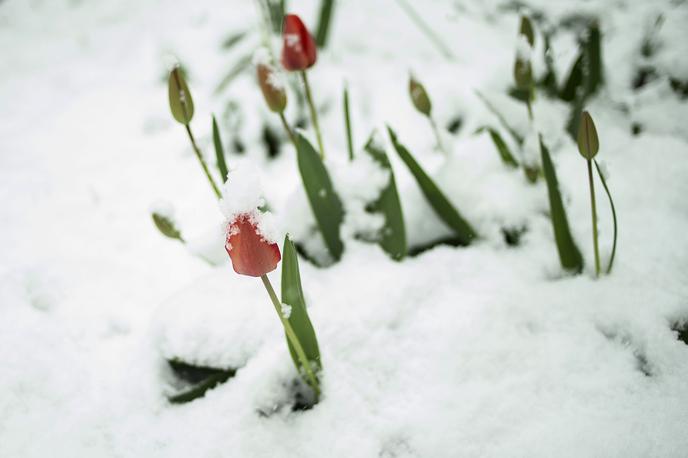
column 314, row 114
column 197, row 151
column 426, row 29
column 291, row 336
column 287, row 128
column 594, row 219
column 440, row 145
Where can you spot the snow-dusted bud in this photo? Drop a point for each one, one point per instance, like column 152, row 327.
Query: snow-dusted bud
column 299, row 50
column 272, row 88
column 181, row 103
column 251, row 254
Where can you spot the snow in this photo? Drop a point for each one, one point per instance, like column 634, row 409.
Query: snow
column 523, row 48
column 488, row 350
column 242, row 195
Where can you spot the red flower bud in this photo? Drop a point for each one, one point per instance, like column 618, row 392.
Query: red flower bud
column 298, row 52
column 251, row 254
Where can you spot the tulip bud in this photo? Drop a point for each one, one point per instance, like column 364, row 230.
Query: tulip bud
column 250, row 253
column 273, row 90
column 166, row 226
column 526, row 30
column 181, row 103
column 588, row 143
column 419, row 97
column 523, row 74
column 299, row 50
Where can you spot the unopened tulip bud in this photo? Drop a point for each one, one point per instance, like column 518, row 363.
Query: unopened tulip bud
column 272, row 88
column 299, row 50
column 250, row 253
column 588, row 143
column 166, row 226
column 181, row 103
column 419, row 97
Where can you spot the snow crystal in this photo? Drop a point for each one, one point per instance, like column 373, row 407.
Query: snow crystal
column 293, row 40
column 163, row 208
column 286, row 310
column 359, row 183
column 523, row 48
column 261, row 56
column 242, row 195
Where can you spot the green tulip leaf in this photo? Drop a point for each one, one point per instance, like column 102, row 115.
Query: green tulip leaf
column 437, row 200
column 292, row 296
column 569, row 255
column 393, row 234
column 324, row 202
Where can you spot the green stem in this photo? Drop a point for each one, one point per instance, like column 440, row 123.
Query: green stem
column 502, row 120
column 594, row 219
column 426, row 29
column 530, row 109
column 287, row 128
column 202, row 161
column 611, row 204
column 347, row 123
column 314, row 114
column 437, row 135
column 291, row 335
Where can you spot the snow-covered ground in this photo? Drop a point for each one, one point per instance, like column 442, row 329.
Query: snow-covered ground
column 487, row 350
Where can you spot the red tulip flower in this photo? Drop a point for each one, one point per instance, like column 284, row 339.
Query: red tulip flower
column 251, row 254
column 298, row 52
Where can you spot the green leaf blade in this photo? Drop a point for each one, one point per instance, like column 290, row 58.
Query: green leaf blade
column 611, row 204
column 292, row 295
column 393, row 235
column 502, row 148
column 219, row 152
column 437, row 200
column 324, row 202
column 569, row 255
column 347, row 125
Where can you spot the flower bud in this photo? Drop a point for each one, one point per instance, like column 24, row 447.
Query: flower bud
column 166, row 226
column 272, row 88
column 181, row 103
column 419, row 97
column 588, row 143
column 250, row 253
column 299, row 50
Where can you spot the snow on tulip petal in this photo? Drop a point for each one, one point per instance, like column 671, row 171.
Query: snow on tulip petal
column 251, row 254
column 299, row 50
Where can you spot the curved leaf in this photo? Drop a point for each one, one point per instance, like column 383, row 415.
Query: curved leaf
column 393, row 235
column 569, row 255
column 611, row 204
column 292, row 295
column 437, row 200
column 219, row 152
column 324, row 202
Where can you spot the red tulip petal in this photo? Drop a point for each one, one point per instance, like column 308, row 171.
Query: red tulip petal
column 251, row 254
column 299, row 50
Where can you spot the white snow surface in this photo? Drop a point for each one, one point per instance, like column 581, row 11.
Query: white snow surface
column 484, row 351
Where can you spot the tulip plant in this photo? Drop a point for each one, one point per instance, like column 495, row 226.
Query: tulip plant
column 252, row 254
column 421, row 100
column 298, row 55
column 588, row 146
